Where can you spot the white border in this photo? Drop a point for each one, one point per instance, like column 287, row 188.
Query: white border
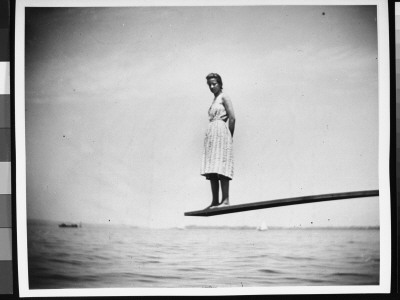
column 384, row 142
column 384, row 146
column 397, row 13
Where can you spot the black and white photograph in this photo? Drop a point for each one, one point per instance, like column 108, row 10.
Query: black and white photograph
column 202, row 147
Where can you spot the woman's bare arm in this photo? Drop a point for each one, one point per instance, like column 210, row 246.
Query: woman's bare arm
column 226, row 101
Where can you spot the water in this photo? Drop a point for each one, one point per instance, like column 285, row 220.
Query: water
column 101, row 257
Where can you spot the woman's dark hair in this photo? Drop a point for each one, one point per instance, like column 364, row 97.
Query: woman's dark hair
column 216, row 76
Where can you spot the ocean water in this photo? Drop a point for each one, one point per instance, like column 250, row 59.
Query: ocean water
column 101, row 257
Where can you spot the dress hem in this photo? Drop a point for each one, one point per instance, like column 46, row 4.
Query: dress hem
column 214, row 176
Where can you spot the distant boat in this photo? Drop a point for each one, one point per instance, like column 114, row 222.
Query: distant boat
column 263, row 227
column 69, row 225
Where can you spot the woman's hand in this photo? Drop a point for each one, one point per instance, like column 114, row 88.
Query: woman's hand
column 226, row 101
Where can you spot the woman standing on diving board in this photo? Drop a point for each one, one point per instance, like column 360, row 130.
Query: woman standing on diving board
column 217, row 160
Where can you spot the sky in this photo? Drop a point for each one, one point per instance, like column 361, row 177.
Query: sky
column 116, row 111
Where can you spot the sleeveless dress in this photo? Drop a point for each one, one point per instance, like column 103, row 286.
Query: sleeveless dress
column 217, row 156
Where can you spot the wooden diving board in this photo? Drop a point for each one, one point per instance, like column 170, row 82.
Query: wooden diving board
column 280, row 202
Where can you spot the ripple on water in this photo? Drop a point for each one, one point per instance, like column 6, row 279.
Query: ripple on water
column 269, row 271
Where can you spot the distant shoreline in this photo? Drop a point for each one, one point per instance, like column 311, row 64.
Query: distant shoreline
column 196, row 227
column 282, row 227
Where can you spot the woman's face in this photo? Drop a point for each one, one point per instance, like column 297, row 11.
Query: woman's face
column 214, row 86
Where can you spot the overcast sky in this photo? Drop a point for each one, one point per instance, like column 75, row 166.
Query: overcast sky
column 116, row 112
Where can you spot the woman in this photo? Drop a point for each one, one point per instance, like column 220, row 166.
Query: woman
column 217, row 160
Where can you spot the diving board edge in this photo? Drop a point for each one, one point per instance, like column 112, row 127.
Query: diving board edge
column 281, row 202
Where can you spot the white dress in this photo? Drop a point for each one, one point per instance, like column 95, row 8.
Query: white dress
column 218, row 143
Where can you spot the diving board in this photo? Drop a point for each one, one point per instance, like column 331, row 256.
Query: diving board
column 280, row 202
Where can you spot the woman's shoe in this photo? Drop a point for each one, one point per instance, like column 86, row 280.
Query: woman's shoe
column 224, row 203
column 212, row 206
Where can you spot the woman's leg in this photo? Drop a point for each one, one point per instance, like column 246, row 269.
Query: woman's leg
column 215, row 192
column 225, row 191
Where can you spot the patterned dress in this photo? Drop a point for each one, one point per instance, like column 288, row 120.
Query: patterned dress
column 218, row 151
